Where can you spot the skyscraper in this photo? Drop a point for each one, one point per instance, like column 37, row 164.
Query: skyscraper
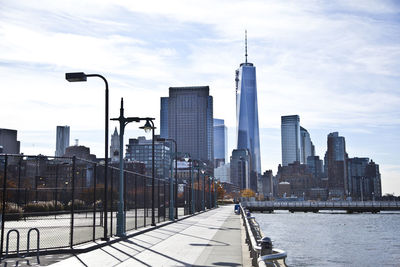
column 307, row 147
column 190, row 121
column 164, row 117
column 337, row 165
column 220, row 142
column 247, row 112
column 290, row 134
column 62, row 140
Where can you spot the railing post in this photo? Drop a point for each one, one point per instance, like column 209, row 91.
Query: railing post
column 72, row 201
column 3, row 207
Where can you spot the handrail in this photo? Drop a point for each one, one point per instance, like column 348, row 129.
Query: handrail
column 256, row 245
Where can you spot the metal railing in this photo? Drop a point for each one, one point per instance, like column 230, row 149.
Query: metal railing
column 64, row 199
column 261, row 251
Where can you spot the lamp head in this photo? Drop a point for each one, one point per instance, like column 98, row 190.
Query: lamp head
column 147, row 127
column 75, row 77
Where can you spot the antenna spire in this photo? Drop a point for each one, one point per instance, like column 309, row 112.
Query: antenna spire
column 245, row 40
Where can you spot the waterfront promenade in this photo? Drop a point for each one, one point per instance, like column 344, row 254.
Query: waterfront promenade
column 212, row 238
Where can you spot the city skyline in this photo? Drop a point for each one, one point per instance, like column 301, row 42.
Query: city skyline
column 334, row 64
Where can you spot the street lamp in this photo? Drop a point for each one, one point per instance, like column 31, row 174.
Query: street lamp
column 149, row 126
column 176, row 176
column 191, row 192
column 82, row 77
column 121, row 211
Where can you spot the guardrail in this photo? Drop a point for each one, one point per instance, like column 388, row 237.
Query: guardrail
column 361, row 206
column 261, row 251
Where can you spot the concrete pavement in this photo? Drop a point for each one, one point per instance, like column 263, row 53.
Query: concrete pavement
column 212, row 238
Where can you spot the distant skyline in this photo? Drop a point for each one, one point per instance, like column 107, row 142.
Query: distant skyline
column 336, row 64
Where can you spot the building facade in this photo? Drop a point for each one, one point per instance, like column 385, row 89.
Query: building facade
column 9, row 142
column 241, row 173
column 140, row 150
column 223, row 173
column 190, row 122
column 306, row 145
column 247, row 113
column 337, row 166
column 290, row 139
column 220, row 142
column 164, row 117
column 62, row 140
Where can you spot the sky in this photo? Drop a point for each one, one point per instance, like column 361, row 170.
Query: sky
column 334, row 63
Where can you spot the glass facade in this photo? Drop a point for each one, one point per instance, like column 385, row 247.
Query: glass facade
column 164, row 117
column 220, row 142
column 307, row 147
column 247, row 114
column 190, row 121
column 141, row 150
column 290, row 135
column 62, row 140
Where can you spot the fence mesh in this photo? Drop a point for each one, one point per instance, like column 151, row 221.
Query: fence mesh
column 64, row 198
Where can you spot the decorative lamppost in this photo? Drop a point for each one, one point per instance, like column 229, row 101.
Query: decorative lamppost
column 82, row 77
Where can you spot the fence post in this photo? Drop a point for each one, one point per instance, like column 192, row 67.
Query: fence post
column 3, row 207
column 94, row 199
column 112, row 200
column 72, row 201
column 135, row 201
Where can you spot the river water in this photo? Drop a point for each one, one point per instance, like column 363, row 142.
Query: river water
column 334, row 239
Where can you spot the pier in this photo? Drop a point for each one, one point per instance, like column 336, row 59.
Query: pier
column 315, row 206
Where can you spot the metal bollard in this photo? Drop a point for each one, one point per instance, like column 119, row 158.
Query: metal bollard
column 266, row 246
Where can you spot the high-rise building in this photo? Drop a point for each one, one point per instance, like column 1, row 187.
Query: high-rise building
column 247, row 113
column 8, row 141
column 240, row 169
column 267, row 185
column 291, row 144
column 190, row 122
column 220, row 142
column 364, row 179
column 315, row 166
column 62, row 140
column 373, row 177
column 114, row 147
column 337, row 165
column 307, row 147
column 164, row 117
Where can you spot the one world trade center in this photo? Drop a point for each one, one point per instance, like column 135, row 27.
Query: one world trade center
column 247, row 112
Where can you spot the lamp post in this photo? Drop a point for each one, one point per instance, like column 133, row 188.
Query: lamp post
column 82, row 77
column 149, row 126
column 172, row 202
column 121, row 211
column 191, row 192
column 204, row 191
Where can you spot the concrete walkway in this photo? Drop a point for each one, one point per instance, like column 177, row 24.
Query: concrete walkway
column 213, row 238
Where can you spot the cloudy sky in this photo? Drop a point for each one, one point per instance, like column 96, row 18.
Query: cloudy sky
column 334, row 63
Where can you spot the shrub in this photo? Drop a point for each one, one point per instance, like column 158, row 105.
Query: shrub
column 78, row 204
column 43, row 206
column 12, row 211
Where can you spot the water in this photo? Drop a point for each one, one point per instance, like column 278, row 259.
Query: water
column 334, row 239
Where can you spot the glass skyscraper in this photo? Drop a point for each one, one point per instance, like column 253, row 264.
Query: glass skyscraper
column 247, row 113
column 62, row 140
column 220, row 142
column 290, row 134
column 187, row 117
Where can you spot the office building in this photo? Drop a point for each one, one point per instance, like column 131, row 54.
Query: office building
column 290, row 139
column 223, row 173
column 267, row 185
column 241, row 174
column 114, row 147
column 62, row 140
column 220, row 142
column 307, row 147
column 140, row 150
column 315, row 166
column 247, row 112
column 337, row 166
column 190, row 122
column 9, row 142
column 164, row 117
